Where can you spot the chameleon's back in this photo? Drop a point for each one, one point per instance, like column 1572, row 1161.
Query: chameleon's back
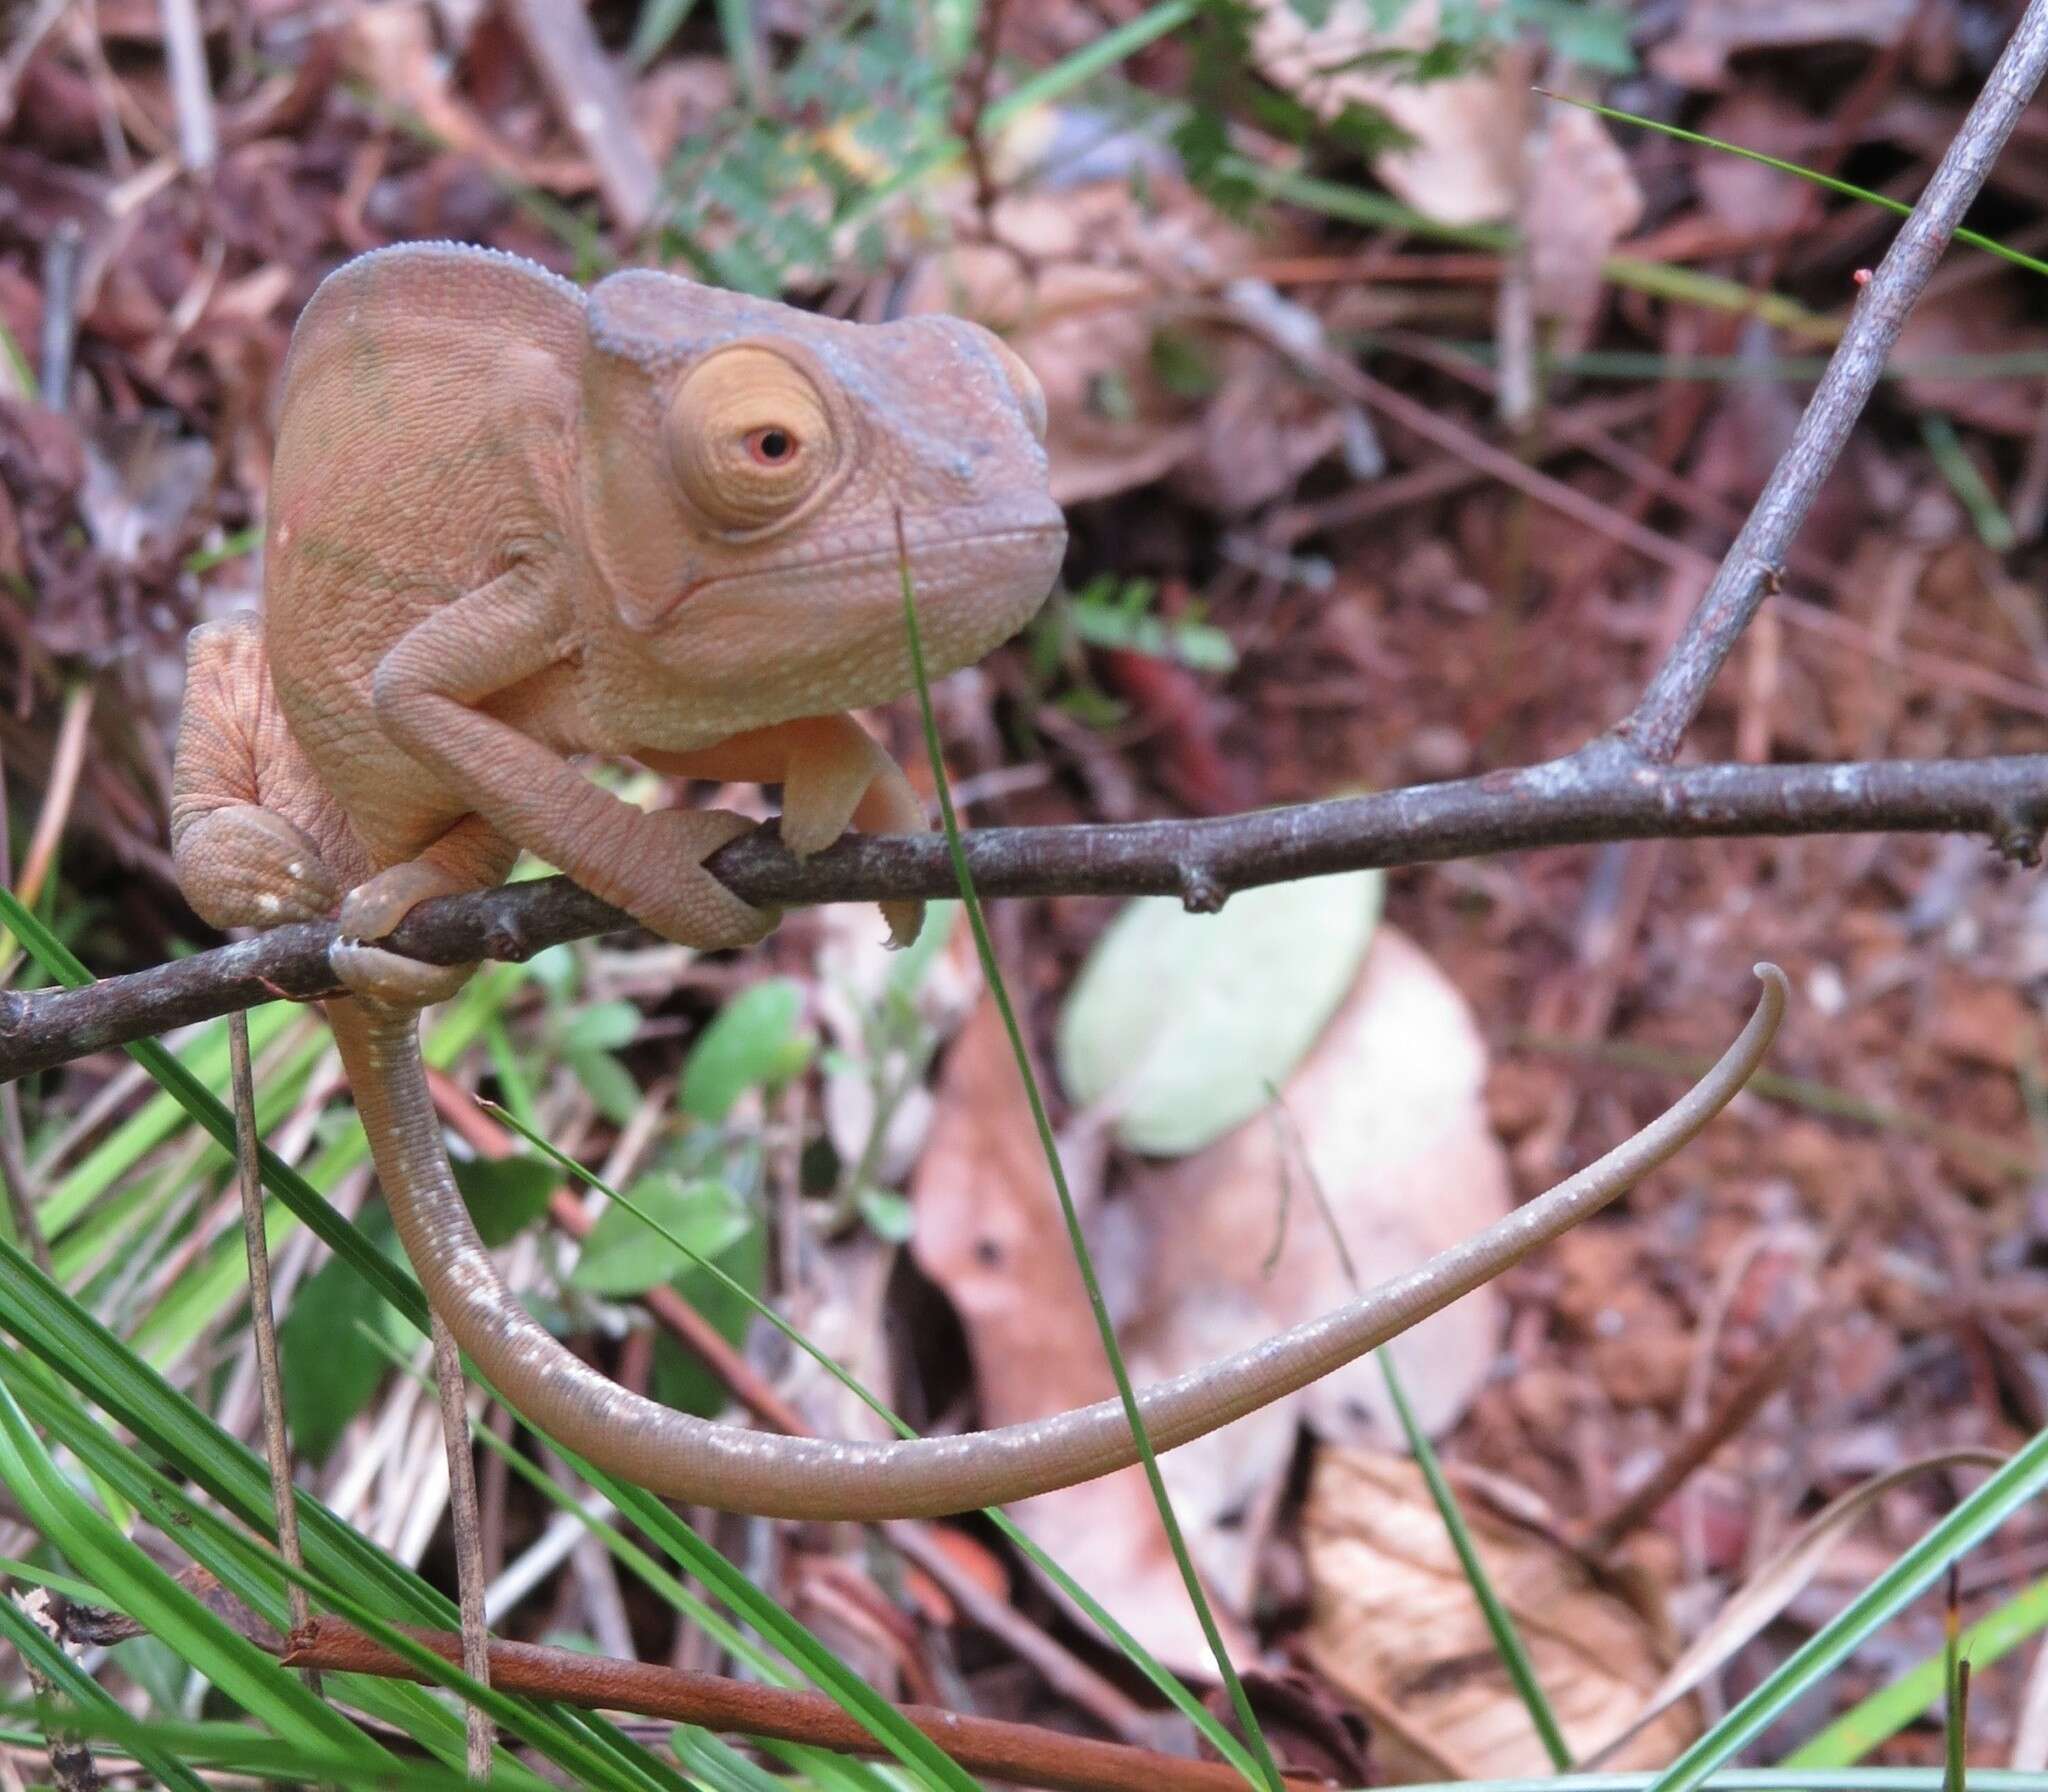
column 430, row 401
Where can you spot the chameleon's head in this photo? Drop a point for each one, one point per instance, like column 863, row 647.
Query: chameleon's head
column 745, row 465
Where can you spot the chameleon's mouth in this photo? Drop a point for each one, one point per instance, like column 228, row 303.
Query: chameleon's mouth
column 803, row 568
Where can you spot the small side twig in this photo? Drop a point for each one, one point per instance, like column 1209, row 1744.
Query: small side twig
column 453, row 1389
column 1753, row 566
column 1021, row 1753
column 277, row 1449
column 191, row 91
column 72, row 1767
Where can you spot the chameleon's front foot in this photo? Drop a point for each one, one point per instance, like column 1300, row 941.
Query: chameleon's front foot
column 668, row 891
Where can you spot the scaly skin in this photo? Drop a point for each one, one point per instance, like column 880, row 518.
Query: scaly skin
column 511, row 524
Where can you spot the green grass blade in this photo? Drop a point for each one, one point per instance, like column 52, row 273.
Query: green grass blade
column 1507, row 1640
column 81, row 1690
column 1848, row 189
column 69, row 1345
column 1973, row 1519
column 1905, row 1700
column 1084, row 1261
column 1987, row 516
column 1657, row 278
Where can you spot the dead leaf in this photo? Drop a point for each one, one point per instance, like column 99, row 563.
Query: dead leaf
column 1113, row 302
column 1464, row 161
column 143, row 475
column 1395, row 1626
column 1386, row 1110
column 1382, row 1133
column 989, row 1233
column 1775, row 1585
column 1181, row 1024
column 1581, row 199
column 1714, row 30
column 1984, row 318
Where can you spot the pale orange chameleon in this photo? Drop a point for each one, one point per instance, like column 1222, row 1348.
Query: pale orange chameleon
column 512, row 523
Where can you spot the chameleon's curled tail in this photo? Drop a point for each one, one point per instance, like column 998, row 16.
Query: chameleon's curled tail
column 738, row 1470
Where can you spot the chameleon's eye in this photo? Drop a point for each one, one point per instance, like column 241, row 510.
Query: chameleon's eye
column 749, row 437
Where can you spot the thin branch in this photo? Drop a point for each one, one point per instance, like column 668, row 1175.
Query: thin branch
column 1753, row 566
column 277, row 1449
column 1591, row 796
column 1021, row 1753
column 451, row 1388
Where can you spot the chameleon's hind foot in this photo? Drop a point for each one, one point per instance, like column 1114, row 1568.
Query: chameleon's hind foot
column 390, row 979
column 371, row 911
column 248, row 866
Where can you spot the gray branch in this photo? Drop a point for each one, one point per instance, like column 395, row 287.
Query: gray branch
column 1600, row 794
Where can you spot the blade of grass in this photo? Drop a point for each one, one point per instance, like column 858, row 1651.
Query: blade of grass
column 1657, row 278
column 1084, row 1261
column 1905, row 1700
column 816, row 1763
column 1955, row 1677
column 69, row 1345
column 1162, row 1678
column 1507, row 1640
column 1987, row 516
column 1973, row 1519
column 347, row 1241
column 1848, row 189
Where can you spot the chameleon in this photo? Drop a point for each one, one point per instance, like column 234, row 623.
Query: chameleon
column 513, row 524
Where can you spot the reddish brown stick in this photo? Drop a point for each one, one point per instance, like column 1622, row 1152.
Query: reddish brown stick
column 1021, row 1753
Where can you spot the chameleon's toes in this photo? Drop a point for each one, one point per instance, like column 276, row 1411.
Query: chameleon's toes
column 682, row 901
column 247, row 866
column 374, row 907
column 390, row 978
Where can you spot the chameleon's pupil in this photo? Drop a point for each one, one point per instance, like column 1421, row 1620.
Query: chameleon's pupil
column 774, row 445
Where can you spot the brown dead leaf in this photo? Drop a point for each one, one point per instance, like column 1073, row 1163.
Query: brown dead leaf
column 1222, row 1250
column 390, row 48
column 1714, row 30
column 1382, row 1133
column 1581, row 199
column 1395, row 1626
column 989, row 1233
column 1777, row 1583
column 1114, row 305
column 1464, row 163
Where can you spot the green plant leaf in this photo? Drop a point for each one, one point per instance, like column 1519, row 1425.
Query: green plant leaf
column 1184, row 1023
column 327, row 1367
column 625, row 1256
column 504, row 1195
column 755, row 1042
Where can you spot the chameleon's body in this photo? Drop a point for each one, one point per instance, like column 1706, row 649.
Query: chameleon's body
column 512, row 523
